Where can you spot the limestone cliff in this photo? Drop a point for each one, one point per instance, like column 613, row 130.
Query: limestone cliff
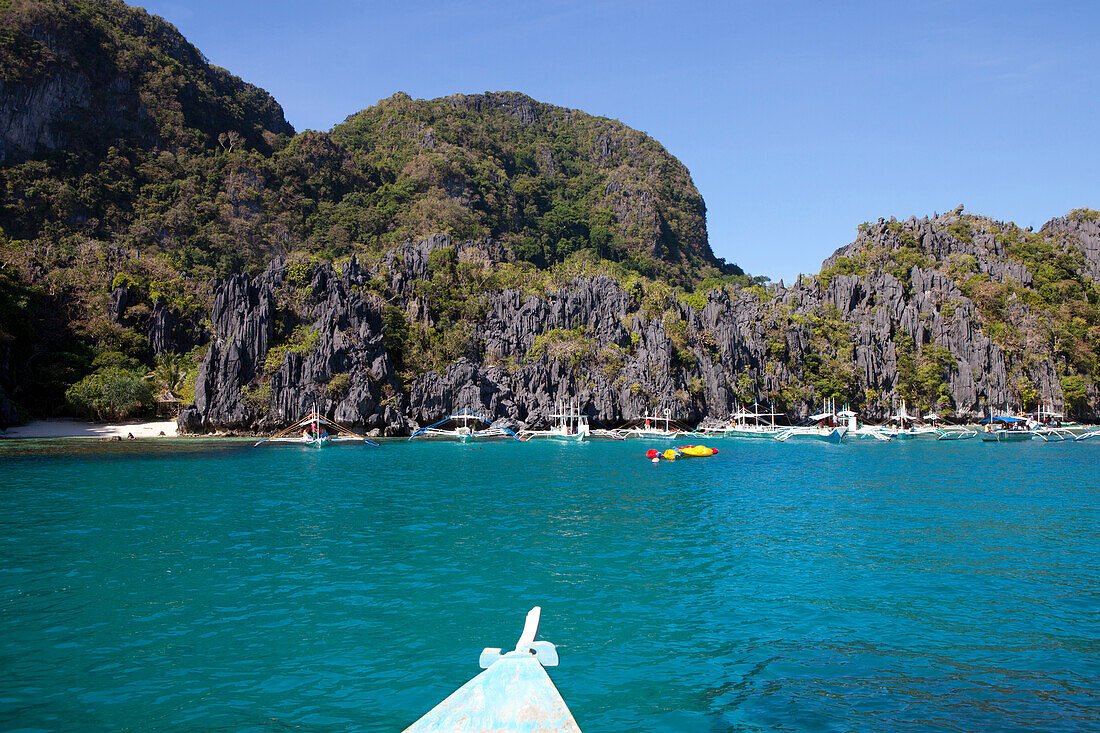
column 623, row 347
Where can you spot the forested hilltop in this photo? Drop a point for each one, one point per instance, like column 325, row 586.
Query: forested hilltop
column 164, row 227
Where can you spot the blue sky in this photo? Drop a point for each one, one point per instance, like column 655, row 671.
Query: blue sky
column 797, row 120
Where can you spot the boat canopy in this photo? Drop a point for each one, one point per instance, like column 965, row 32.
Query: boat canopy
column 1003, row 418
column 317, row 419
column 464, row 416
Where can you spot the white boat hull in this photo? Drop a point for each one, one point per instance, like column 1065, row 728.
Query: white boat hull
column 826, row 435
column 1007, row 436
column 749, row 433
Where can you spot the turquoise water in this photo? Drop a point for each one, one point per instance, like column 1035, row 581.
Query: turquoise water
column 211, row 586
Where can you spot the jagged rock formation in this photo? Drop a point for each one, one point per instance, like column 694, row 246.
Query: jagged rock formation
column 622, row 350
column 245, row 319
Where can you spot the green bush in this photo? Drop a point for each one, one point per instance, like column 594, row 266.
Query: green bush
column 302, row 341
column 561, row 344
column 112, row 393
column 339, row 385
column 1074, row 392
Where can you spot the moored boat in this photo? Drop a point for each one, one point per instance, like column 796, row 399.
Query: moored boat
column 315, row 430
column 903, row 426
column 745, row 424
column 568, row 423
column 463, row 427
column 1007, row 429
column 1052, row 428
column 824, row 426
column 652, row 426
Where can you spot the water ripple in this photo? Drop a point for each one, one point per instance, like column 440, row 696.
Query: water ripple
column 205, row 585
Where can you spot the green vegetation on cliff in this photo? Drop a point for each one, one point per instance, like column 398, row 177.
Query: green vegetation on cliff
column 545, row 180
column 133, row 161
column 1032, row 291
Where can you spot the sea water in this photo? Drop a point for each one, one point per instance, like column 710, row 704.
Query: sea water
column 209, row 585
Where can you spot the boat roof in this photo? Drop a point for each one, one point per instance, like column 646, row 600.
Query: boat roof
column 1003, row 418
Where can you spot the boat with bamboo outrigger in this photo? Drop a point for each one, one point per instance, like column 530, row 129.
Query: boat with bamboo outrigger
column 653, row 426
column 903, row 426
column 949, row 432
column 1006, row 428
column 828, row 426
column 568, row 423
column 1052, row 428
column 745, row 424
column 463, row 426
column 316, row 431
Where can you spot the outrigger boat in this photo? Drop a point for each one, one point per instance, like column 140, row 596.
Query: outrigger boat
column 649, row 426
column 514, row 693
column 568, row 423
column 462, row 426
column 902, row 426
column 745, row 424
column 956, row 433
column 825, row 425
column 849, row 418
column 316, row 431
column 1011, row 429
column 1051, row 428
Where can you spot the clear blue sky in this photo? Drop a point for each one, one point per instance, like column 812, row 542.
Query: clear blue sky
column 798, row 120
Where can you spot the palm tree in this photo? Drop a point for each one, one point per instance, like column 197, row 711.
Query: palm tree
column 170, row 373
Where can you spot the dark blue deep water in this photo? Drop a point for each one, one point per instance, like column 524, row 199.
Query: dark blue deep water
column 208, row 585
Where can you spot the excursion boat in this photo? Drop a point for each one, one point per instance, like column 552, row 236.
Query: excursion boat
column 514, row 693
column 316, row 431
column 824, row 426
column 856, row 429
column 902, row 426
column 745, row 424
column 463, row 426
column 649, row 426
column 1051, row 428
column 569, row 423
column 1006, row 429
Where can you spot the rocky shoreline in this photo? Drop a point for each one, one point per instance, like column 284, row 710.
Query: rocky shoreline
column 616, row 349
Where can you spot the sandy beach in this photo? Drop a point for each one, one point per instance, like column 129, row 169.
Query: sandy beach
column 78, row 429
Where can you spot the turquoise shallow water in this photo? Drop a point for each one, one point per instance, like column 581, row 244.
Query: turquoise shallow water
column 211, row 586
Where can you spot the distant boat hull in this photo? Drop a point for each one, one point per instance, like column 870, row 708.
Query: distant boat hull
column 912, row 434
column 1007, row 436
column 653, row 434
column 825, row 435
column 750, row 433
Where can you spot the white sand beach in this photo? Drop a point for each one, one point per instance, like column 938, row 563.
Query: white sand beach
column 78, row 429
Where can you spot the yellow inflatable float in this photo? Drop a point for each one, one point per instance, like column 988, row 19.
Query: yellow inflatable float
column 673, row 453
